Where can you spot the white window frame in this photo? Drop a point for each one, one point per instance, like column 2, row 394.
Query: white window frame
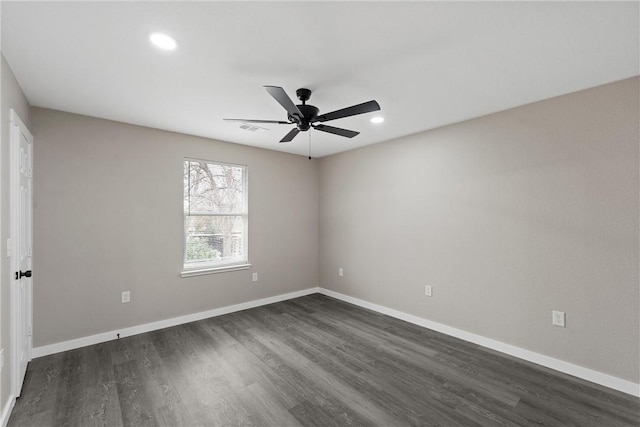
column 221, row 266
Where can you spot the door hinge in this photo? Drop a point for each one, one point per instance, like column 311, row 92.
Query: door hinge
column 30, row 330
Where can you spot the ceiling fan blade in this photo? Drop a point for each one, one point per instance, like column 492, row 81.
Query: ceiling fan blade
column 292, row 134
column 365, row 107
column 336, row 131
column 258, row 121
column 283, row 99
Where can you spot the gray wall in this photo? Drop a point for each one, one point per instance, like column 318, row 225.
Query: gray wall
column 508, row 217
column 108, row 218
column 11, row 97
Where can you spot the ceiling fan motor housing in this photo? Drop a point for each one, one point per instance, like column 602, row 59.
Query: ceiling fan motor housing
column 309, row 112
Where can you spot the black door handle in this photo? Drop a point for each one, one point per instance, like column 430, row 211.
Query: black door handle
column 21, row 274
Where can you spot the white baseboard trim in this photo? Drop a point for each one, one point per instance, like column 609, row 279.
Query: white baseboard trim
column 530, row 356
column 161, row 324
column 6, row 411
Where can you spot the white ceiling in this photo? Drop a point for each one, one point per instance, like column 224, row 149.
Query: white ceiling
column 428, row 64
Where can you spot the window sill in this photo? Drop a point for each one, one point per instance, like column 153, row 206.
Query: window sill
column 213, row 270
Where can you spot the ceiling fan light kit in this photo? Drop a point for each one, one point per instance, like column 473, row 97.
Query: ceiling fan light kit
column 305, row 116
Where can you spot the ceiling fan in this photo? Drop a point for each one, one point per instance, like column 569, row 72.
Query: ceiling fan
column 306, row 116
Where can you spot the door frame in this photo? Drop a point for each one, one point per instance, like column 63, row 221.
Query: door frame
column 17, row 127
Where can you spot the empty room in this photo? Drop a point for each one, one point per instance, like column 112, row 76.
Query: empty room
column 320, row 213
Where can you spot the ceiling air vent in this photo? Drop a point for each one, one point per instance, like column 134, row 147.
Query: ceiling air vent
column 252, row 128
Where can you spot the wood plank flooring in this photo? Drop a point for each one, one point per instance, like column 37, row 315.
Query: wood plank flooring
column 311, row 361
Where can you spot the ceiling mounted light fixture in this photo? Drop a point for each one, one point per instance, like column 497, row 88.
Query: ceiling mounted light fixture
column 377, row 119
column 163, row 41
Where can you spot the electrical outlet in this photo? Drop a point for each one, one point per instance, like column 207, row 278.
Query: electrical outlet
column 428, row 291
column 126, row 297
column 558, row 318
column 254, row 277
column 340, row 272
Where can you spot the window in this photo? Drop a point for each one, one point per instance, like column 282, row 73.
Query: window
column 215, row 217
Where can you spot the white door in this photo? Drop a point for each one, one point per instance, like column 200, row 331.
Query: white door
column 21, row 242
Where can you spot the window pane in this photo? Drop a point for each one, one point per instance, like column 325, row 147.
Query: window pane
column 213, row 188
column 215, row 208
column 214, row 239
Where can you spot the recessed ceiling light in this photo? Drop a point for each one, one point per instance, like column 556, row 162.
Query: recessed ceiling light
column 377, row 119
column 163, row 41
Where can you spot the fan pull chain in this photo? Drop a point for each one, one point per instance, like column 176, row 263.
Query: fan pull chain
column 309, row 144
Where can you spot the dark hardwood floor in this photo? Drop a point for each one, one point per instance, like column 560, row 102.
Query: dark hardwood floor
column 309, row 361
